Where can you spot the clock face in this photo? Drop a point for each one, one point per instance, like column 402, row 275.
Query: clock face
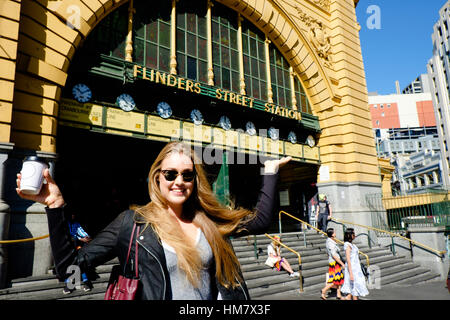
column 225, row 123
column 292, row 137
column 250, row 128
column 273, row 133
column 164, row 110
column 197, row 117
column 125, row 102
column 310, row 141
column 81, row 93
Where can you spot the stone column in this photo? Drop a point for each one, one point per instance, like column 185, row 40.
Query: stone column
column 27, row 220
column 348, row 202
column 5, row 148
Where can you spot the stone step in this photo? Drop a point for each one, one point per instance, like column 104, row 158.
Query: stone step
column 52, row 279
column 262, row 281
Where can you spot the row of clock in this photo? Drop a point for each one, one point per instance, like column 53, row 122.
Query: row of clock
column 82, row 93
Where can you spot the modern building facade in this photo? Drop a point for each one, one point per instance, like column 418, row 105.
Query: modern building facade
column 98, row 87
column 417, row 172
column 438, row 70
column 406, row 133
column 420, row 85
column 392, row 142
column 402, row 111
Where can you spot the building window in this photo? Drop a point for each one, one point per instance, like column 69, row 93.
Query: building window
column 191, row 41
column 279, row 73
column 109, row 38
column 420, row 181
column 152, row 35
column 254, row 61
column 302, row 100
column 152, row 40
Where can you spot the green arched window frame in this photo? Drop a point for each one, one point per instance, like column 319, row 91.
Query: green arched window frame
column 151, row 43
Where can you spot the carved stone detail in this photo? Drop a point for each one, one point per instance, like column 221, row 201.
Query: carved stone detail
column 324, row 4
column 318, row 36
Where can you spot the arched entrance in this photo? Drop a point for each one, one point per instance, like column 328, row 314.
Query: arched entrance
column 244, row 79
column 317, row 39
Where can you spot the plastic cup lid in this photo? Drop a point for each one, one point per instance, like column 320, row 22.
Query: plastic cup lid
column 35, row 158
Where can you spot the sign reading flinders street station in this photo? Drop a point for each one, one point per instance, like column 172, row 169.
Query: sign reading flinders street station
column 218, row 93
column 110, row 119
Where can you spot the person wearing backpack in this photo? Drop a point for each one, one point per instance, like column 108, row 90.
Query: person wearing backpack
column 323, row 212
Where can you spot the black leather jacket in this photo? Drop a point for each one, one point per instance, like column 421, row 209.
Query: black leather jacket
column 114, row 239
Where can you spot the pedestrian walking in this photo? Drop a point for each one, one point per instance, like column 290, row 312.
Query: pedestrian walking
column 323, row 212
column 79, row 238
column 184, row 245
column 354, row 281
column 335, row 266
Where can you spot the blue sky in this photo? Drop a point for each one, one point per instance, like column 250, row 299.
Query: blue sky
column 401, row 48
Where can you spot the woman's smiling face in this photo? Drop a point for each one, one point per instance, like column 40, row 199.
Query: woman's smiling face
column 178, row 191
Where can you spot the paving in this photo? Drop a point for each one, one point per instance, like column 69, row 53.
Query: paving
column 436, row 290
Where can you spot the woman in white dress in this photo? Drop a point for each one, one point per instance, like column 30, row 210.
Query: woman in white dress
column 354, row 280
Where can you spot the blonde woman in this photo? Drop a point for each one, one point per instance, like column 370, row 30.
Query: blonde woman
column 274, row 251
column 184, row 251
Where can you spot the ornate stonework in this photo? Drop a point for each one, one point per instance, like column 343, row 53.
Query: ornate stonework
column 324, row 4
column 318, row 36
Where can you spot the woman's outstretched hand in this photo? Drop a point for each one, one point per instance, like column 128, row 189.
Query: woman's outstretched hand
column 50, row 195
column 272, row 166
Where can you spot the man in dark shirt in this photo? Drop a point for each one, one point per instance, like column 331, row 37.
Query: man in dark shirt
column 323, row 212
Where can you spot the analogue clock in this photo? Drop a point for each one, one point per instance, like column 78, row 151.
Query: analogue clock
column 310, row 141
column 197, row 117
column 273, row 133
column 250, row 128
column 81, row 92
column 125, row 102
column 164, row 110
column 225, row 123
column 292, row 137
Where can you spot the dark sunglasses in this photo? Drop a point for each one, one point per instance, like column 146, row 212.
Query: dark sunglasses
column 171, row 175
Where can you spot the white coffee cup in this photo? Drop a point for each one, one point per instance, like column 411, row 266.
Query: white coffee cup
column 32, row 175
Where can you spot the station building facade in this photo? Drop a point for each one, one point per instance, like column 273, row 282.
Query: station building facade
column 97, row 87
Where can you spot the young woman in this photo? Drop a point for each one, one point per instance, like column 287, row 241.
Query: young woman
column 354, row 280
column 274, row 251
column 335, row 265
column 184, row 248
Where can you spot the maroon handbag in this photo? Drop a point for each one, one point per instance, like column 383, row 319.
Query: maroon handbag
column 119, row 286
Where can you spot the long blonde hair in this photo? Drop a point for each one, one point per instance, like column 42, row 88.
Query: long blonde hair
column 215, row 220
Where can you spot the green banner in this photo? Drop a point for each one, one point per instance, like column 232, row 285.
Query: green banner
column 221, row 186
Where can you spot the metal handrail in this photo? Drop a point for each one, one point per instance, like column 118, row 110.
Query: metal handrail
column 392, row 234
column 299, row 259
column 23, row 240
column 291, row 216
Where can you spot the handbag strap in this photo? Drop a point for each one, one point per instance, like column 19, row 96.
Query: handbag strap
column 129, row 250
column 136, row 255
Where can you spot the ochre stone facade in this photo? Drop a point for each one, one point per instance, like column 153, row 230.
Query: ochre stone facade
column 319, row 39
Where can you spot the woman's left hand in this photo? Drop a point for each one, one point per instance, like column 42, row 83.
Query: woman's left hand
column 272, row 166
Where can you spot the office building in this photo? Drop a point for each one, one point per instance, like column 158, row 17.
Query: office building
column 420, row 85
column 439, row 70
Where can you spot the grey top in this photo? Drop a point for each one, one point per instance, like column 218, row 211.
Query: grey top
column 181, row 287
column 332, row 249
